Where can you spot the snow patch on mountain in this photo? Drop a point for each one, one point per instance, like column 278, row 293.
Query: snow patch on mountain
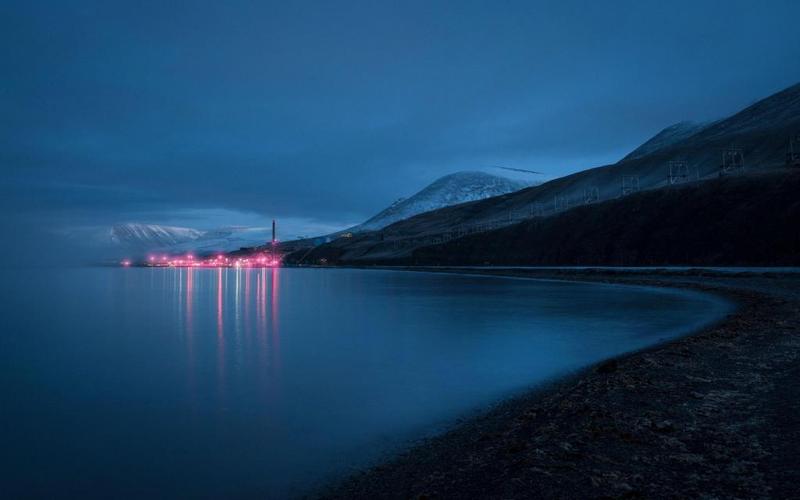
column 135, row 234
column 226, row 240
column 452, row 189
column 154, row 237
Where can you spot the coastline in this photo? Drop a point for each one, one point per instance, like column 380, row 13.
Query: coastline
column 711, row 414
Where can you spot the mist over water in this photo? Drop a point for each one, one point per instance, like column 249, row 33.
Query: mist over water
column 268, row 382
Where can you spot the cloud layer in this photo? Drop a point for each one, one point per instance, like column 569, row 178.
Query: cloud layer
column 326, row 112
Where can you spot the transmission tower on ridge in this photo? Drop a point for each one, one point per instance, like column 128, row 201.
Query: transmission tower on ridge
column 732, row 161
column 630, row 184
column 793, row 152
column 537, row 209
column 678, row 172
column 560, row 203
column 591, row 195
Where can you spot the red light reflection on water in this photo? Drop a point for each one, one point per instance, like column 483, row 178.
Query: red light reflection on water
column 276, row 338
column 185, row 301
column 261, row 309
column 247, row 321
column 243, row 329
column 219, row 303
column 220, row 335
column 189, row 299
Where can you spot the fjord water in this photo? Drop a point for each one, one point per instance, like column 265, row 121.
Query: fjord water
column 265, row 383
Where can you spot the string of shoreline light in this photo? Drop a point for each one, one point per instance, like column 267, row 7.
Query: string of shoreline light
column 189, row 260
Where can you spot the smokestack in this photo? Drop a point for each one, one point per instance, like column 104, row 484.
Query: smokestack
column 273, row 231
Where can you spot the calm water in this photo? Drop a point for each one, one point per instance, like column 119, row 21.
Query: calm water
column 264, row 383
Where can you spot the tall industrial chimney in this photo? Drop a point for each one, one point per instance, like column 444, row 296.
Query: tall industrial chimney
column 273, row 231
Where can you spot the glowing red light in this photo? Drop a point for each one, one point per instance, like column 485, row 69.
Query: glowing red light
column 215, row 261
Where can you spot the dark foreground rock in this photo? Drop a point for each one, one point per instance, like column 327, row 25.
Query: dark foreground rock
column 713, row 415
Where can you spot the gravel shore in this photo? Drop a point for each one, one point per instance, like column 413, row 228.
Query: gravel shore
column 712, row 415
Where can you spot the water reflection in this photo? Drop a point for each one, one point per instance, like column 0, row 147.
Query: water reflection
column 275, row 337
column 220, row 334
column 230, row 318
column 256, row 383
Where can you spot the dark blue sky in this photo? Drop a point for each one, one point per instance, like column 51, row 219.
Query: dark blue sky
column 320, row 114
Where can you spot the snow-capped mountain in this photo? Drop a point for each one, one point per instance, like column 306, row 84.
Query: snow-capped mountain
column 225, row 240
column 452, row 189
column 154, row 237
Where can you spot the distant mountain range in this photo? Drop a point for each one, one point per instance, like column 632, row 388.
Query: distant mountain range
column 465, row 200
column 449, row 190
column 154, row 238
column 759, row 134
column 153, row 235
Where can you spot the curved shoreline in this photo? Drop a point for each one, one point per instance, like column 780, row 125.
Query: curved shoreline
column 707, row 414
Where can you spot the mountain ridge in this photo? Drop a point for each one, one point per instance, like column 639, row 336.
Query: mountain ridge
column 760, row 132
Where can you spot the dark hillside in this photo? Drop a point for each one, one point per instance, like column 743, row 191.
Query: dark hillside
column 752, row 220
